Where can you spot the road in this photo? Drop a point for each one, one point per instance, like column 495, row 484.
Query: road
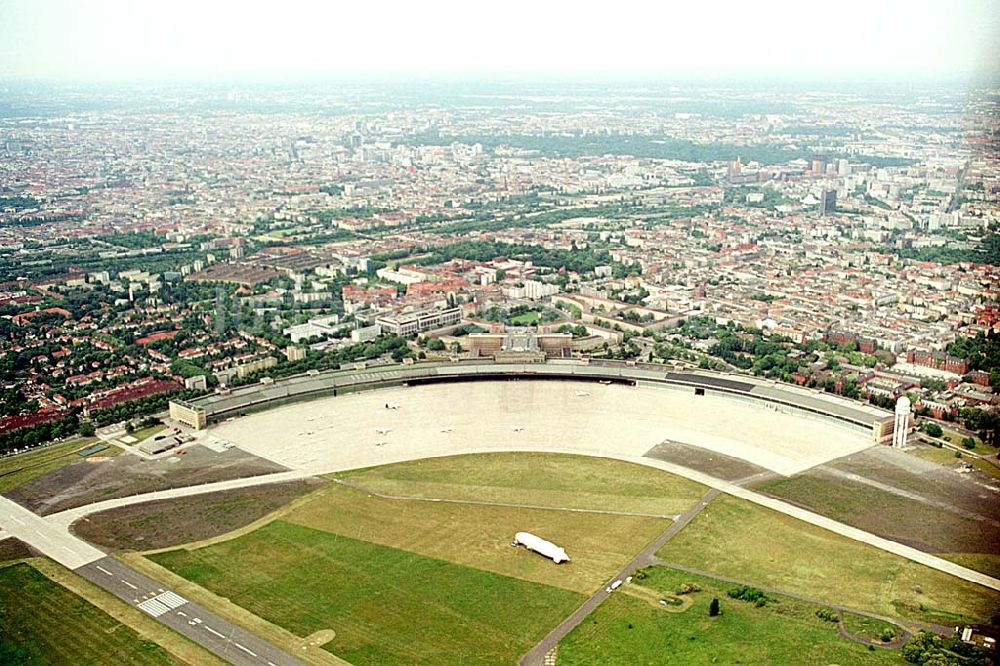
column 215, row 634
column 221, row 637
column 536, row 656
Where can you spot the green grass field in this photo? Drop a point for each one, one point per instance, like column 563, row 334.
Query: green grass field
column 948, row 458
column 867, row 627
column 387, row 606
column 538, row 479
column 480, row 536
column 23, row 468
column 980, row 448
column 740, row 540
column 43, row 623
column 525, row 319
column 940, row 456
column 627, row 629
column 144, row 434
column 984, row 466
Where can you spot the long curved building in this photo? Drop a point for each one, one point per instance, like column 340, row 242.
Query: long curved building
column 328, row 422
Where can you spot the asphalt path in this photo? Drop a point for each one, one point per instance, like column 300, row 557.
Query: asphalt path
column 64, row 519
column 61, row 521
column 936, row 628
column 45, row 537
column 219, row 636
column 235, row 645
column 536, row 656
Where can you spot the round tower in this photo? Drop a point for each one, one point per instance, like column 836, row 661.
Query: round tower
column 902, row 423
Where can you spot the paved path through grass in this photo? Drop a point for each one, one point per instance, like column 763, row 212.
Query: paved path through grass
column 536, row 656
column 936, row 628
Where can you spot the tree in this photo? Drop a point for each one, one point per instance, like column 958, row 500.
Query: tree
column 933, row 429
column 713, row 608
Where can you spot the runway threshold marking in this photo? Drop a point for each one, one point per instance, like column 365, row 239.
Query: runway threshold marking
column 162, row 603
column 154, row 607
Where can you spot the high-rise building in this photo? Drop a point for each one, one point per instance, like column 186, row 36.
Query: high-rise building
column 828, row 202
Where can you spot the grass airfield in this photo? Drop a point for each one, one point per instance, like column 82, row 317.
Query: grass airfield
column 386, row 605
column 404, row 554
column 630, row 629
column 428, row 575
column 422, row 581
column 740, row 540
column 42, row 622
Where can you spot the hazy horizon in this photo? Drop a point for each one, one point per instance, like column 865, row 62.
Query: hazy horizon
column 114, row 41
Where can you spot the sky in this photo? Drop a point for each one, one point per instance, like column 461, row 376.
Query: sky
column 212, row 40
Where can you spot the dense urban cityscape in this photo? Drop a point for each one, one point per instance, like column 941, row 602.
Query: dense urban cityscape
column 457, row 334
column 843, row 240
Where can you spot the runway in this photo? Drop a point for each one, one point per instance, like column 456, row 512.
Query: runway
column 223, row 638
column 219, row 636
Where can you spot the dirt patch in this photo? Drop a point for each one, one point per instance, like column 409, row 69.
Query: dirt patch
column 12, row 549
column 972, row 492
column 86, row 482
column 932, row 509
column 320, row 638
column 704, row 460
column 167, row 523
column 658, row 600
